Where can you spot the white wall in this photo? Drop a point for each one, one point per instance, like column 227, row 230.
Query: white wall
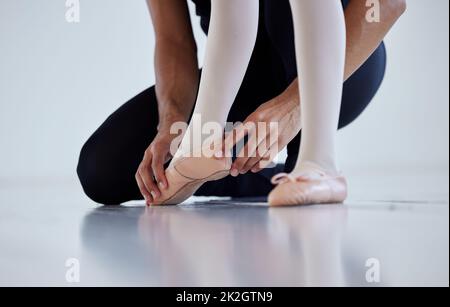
column 59, row 81
column 407, row 125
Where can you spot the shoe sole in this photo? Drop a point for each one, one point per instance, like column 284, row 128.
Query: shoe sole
column 190, row 188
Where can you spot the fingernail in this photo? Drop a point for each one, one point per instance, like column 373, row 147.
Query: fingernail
column 162, row 185
column 254, row 170
column 234, row 172
column 153, row 194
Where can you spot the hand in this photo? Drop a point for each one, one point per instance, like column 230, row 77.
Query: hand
column 150, row 175
column 259, row 151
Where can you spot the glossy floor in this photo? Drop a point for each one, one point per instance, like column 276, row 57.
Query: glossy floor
column 393, row 231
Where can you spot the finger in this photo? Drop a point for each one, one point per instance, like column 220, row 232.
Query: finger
column 234, row 136
column 147, row 175
column 243, row 157
column 251, row 163
column 158, row 170
column 238, row 164
column 257, row 142
column 148, row 198
column 267, row 149
column 268, row 155
column 246, row 153
column 266, row 160
column 147, row 178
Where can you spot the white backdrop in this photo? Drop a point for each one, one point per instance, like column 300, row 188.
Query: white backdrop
column 59, row 81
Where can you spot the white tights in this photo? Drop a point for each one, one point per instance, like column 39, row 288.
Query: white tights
column 231, row 39
column 320, row 41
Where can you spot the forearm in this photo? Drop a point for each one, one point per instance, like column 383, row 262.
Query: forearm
column 176, row 65
column 177, row 78
column 363, row 37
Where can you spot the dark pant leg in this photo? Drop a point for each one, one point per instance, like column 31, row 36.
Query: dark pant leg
column 110, row 158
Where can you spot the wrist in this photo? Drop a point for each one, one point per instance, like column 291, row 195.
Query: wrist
column 290, row 97
column 174, row 107
column 288, row 100
column 166, row 122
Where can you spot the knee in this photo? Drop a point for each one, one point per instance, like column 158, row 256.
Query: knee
column 93, row 173
column 361, row 88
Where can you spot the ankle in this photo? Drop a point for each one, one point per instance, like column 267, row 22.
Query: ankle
column 209, row 148
column 312, row 166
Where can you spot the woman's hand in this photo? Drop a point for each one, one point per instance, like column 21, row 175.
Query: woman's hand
column 150, row 175
column 258, row 152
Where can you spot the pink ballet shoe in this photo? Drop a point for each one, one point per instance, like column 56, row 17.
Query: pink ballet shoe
column 188, row 174
column 312, row 187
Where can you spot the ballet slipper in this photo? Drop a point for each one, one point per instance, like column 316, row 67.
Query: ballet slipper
column 308, row 188
column 187, row 174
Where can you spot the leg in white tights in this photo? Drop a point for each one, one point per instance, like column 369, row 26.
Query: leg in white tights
column 231, row 40
column 320, row 41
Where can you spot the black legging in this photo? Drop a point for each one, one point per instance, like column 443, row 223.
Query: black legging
column 110, row 158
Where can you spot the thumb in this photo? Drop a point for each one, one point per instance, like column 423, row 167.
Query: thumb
column 235, row 136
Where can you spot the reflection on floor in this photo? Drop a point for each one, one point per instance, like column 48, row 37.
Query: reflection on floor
column 392, row 241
